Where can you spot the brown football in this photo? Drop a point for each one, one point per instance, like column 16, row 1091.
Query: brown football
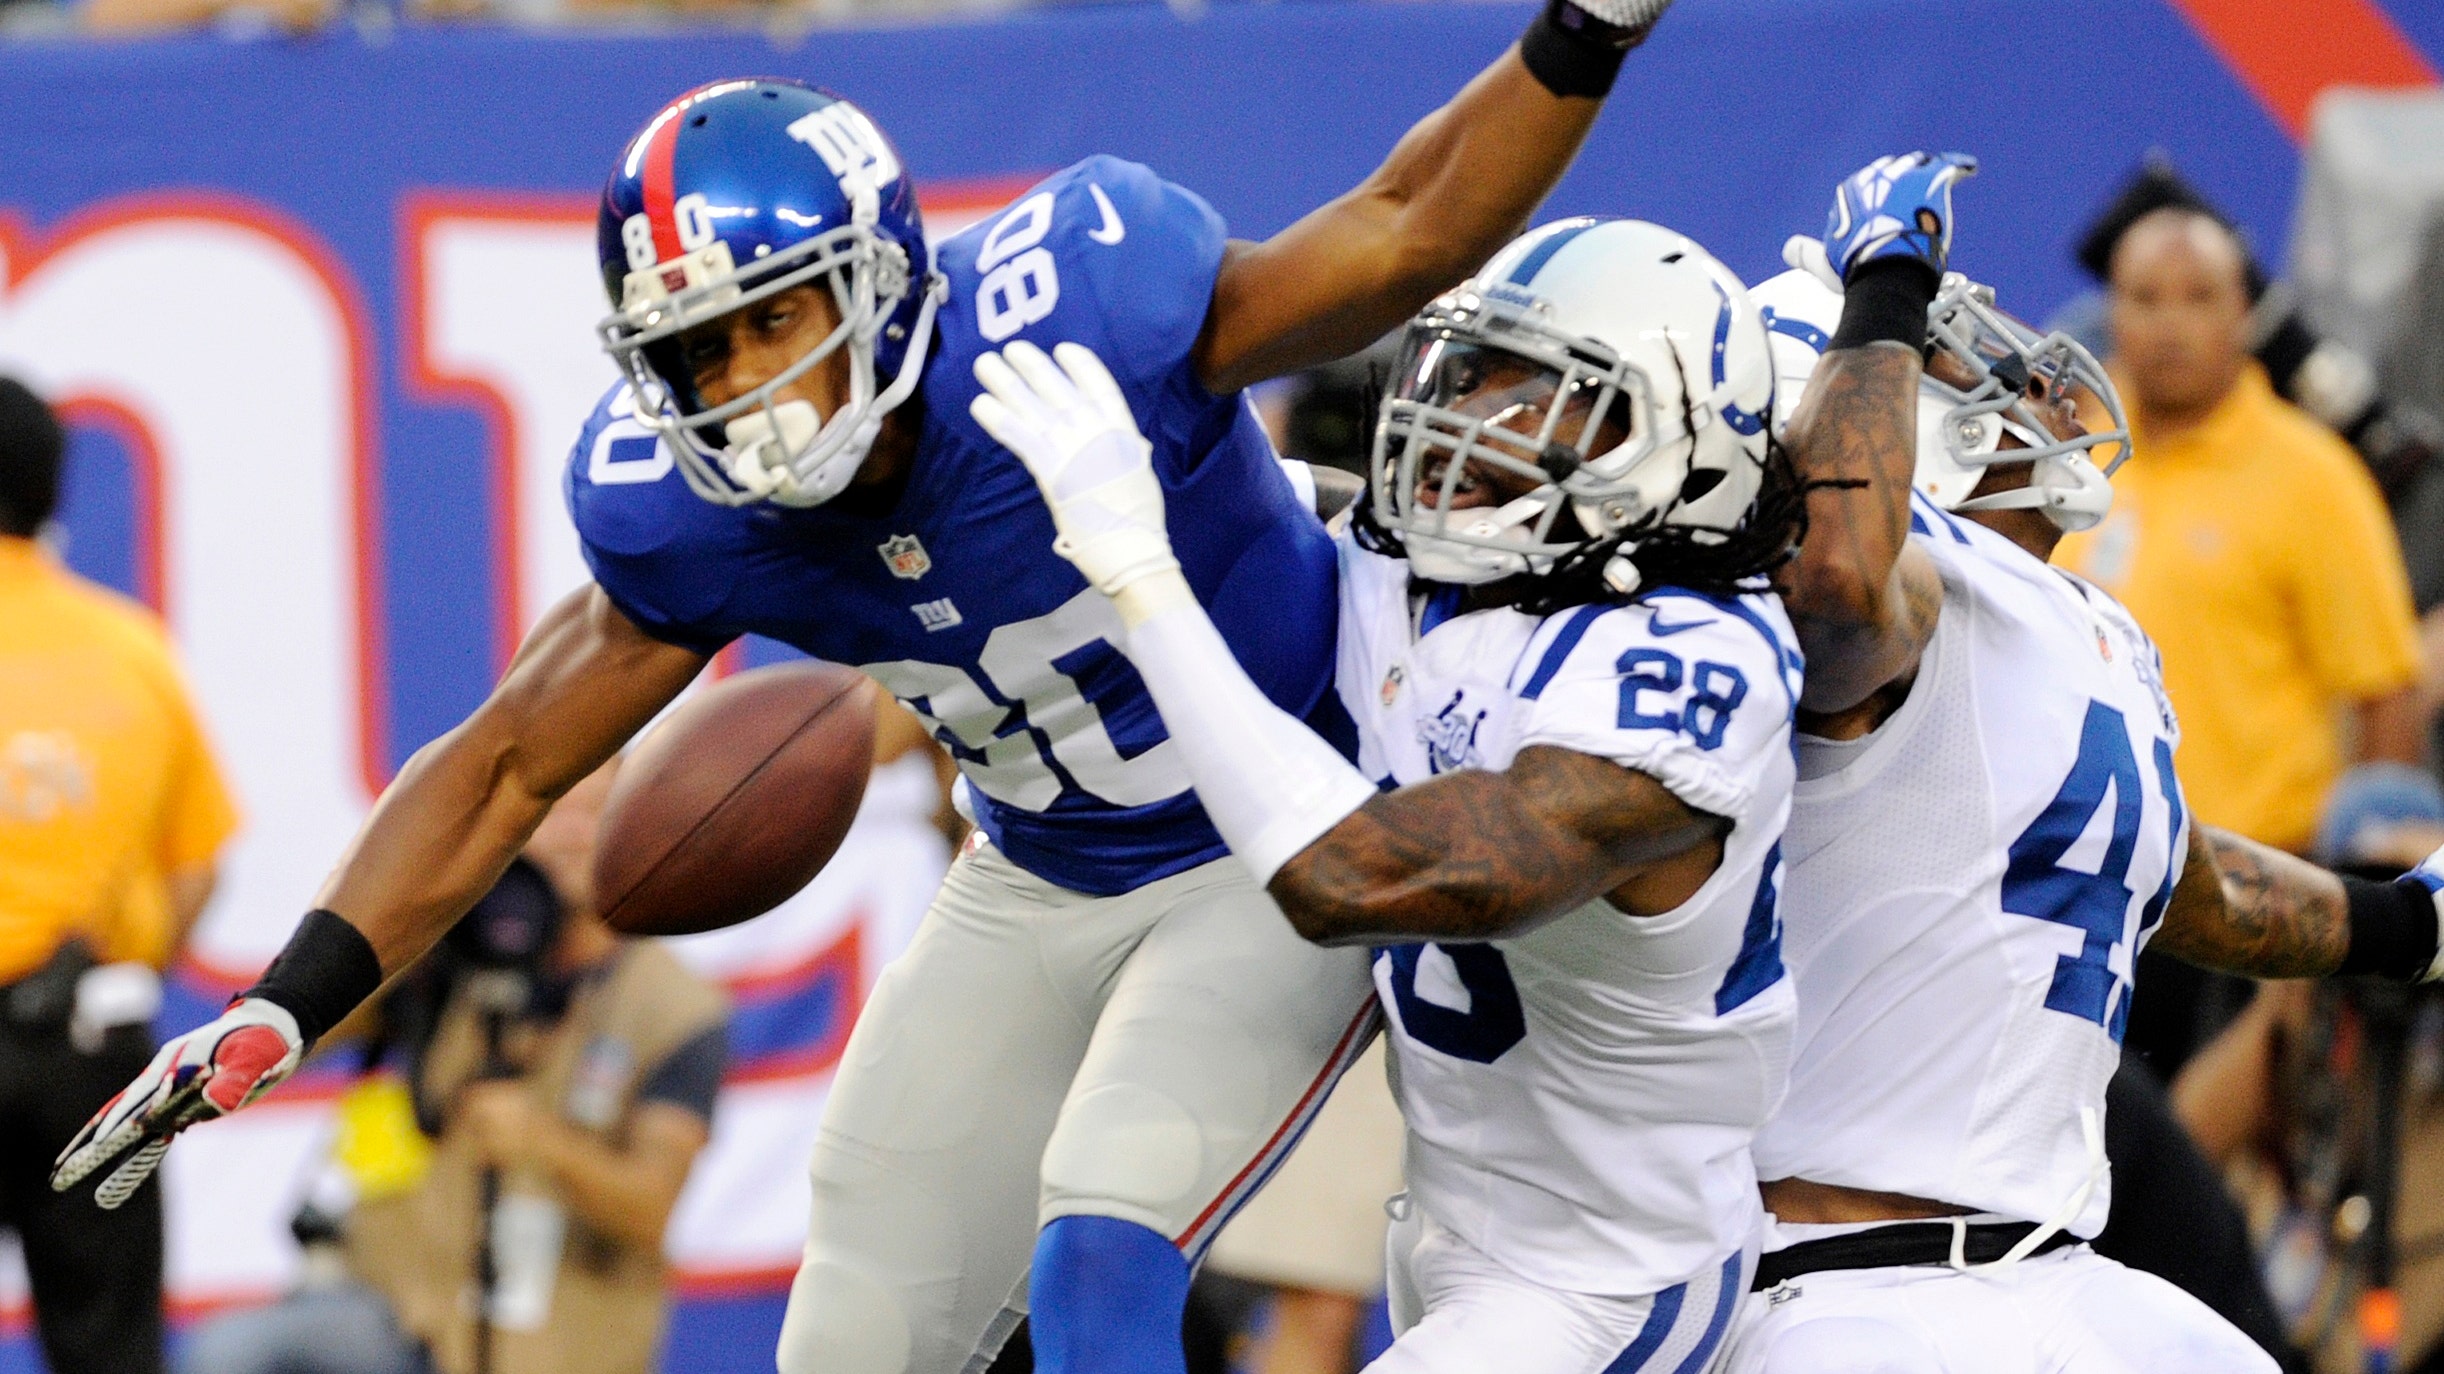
column 736, row 800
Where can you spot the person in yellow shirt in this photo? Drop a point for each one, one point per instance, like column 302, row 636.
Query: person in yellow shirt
column 112, row 813
column 2251, row 543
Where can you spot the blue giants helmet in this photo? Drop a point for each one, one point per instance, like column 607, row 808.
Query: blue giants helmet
column 732, row 193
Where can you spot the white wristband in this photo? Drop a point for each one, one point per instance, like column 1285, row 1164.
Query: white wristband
column 1270, row 785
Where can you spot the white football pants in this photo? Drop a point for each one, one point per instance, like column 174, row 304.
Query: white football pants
column 2071, row 1311
column 1460, row 1312
column 1040, row 1053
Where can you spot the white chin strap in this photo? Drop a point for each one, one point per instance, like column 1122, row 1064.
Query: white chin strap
column 1467, row 562
column 2067, row 487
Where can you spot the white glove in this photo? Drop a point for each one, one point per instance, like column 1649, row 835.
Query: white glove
column 1808, row 255
column 1068, row 422
column 1628, row 14
column 208, row 1072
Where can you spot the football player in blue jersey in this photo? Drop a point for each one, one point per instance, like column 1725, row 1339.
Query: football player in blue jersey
column 1103, row 1038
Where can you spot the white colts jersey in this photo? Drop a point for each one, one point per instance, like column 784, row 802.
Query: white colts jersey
column 1580, row 1100
column 1968, row 888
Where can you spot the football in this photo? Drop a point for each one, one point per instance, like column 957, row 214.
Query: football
column 736, row 800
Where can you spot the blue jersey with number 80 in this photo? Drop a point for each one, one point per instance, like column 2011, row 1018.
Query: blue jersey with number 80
column 954, row 600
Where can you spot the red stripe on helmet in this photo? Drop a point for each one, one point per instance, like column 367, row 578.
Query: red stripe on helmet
column 661, row 152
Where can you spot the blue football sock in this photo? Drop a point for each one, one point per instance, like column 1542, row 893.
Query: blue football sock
column 1107, row 1297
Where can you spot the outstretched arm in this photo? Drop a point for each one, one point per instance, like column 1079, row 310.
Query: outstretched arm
column 1865, row 602
column 2243, row 907
column 583, row 682
column 1862, row 599
column 1474, row 855
column 1458, row 186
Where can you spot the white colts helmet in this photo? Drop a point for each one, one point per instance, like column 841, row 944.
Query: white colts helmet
column 1961, row 429
column 1661, row 339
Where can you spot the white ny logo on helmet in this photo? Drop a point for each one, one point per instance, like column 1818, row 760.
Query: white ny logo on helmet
column 851, row 147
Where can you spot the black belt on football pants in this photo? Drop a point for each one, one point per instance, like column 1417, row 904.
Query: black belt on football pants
column 1908, row 1243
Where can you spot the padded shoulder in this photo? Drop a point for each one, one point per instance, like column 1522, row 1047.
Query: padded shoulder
column 1698, row 692
column 1105, row 254
column 666, row 557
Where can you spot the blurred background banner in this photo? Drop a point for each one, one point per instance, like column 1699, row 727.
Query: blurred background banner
column 320, row 311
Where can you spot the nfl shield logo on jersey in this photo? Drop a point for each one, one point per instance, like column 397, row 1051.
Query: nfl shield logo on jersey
column 905, row 557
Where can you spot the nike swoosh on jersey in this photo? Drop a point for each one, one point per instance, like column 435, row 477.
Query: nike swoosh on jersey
column 1655, row 625
column 1111, row 231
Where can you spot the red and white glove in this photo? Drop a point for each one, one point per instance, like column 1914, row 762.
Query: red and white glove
column 209, row 1072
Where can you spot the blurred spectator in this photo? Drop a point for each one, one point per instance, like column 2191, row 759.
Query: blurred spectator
column 112, row 813
column 133, row 17
column 561, row 1080
column 2252, row 545
column 2285, row 1101
column 2330, row 380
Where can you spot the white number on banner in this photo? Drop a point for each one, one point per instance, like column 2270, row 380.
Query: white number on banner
column 1021, row 662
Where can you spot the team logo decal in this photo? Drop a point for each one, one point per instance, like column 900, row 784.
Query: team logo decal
column 1391, row 684
column 937, row 615
column 905, row 557
column 1451, row 737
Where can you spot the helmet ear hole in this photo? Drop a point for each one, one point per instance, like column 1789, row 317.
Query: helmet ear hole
column 1700, row 482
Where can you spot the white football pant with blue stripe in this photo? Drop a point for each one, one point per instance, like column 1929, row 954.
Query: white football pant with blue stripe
column 1459, row 1312
column 1040, row 1053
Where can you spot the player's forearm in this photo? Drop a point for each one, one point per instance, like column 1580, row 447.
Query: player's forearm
column 2242, row 907
column 1478, row 855
column 1861, row 618
column 1464, row 180
column 1855, row 442
column 1269, row 784
column 437, row 841
column 585, row 680
column 1459, row 185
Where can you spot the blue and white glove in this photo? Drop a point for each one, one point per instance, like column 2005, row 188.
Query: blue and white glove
column 1068, row 422
column 2430, row 875
column 1896, row 207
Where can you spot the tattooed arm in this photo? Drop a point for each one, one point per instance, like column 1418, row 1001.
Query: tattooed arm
column 1863, row 600
column 1476, row 855
column 2245, row 908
